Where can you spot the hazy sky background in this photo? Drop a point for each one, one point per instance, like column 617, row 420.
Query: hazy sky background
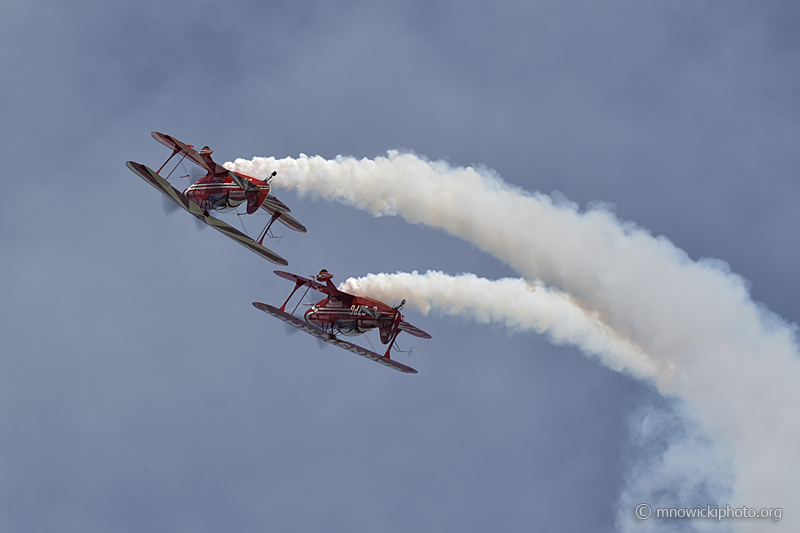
column 140, row 390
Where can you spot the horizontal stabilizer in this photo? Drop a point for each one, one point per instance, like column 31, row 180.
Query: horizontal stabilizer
column 270, row 205
column 291, row 223
column 327, row 337
column 413, row 330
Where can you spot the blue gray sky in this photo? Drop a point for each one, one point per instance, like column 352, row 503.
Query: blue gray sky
column 140, row 390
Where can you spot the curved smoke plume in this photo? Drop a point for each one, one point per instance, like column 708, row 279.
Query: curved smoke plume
column 690, row 327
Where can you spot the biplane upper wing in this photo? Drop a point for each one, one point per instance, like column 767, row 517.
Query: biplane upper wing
column 179, row 198
column 413, row 330
column 327, row 337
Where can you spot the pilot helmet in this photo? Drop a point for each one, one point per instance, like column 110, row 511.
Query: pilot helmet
column 324, row 275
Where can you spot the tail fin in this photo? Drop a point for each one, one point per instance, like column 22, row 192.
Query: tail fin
column 254, row 200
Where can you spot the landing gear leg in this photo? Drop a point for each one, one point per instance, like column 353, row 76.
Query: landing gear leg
column 395, row 333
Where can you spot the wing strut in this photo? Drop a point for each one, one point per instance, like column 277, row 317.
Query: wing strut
column 175, row 167
column 299, row 283
column 263, row 234
column 175, row 151
column 301, row 299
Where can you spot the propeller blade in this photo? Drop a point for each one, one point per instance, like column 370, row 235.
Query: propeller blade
column 199, row 224
column 321, row 343
column 195, row 173
column 290, row 330
column 169, row 206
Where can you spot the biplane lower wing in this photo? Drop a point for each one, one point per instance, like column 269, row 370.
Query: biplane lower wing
column 327, row 337
column 180, row 148
column 150, row 176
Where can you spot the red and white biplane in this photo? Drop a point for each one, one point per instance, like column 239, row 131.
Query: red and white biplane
column 220, row 190
column 345, row 314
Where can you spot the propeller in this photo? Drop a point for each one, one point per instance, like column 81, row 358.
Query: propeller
column 194, row 173
column 199, row 224
column 306, row 300
column 290, row 330
column 169, row 206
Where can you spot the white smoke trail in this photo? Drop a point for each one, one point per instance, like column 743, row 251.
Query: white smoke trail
column 735, row 363
column 516, row 303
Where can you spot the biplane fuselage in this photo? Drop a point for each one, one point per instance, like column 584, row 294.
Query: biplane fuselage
column 346, row 314
column 331, row 314
column 223, row 194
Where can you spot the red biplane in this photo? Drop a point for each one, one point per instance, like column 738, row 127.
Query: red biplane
column 345, row 314
column 220, row 190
